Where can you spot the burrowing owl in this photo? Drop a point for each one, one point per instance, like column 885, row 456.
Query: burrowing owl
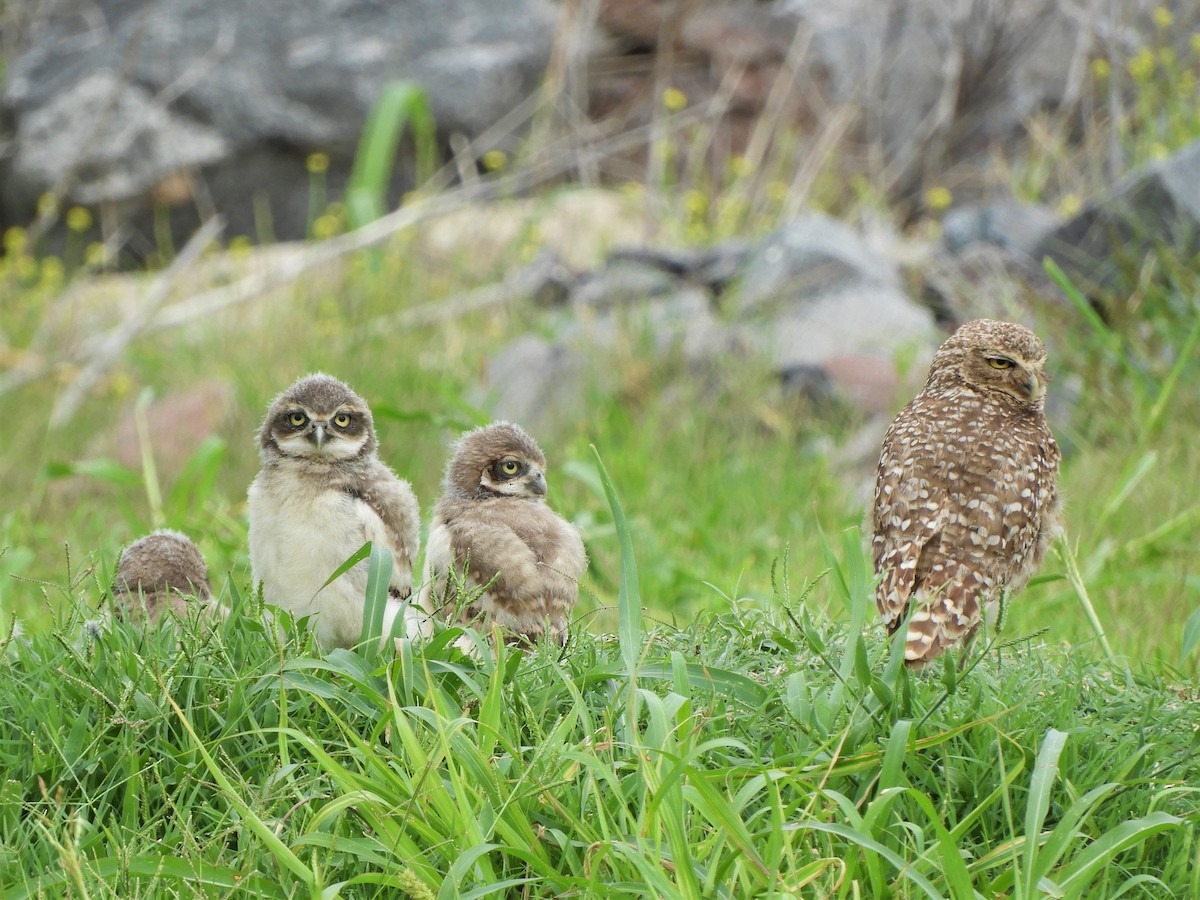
column 320, row 494
column 965, row 496
column 157, row 574
column 492, row 528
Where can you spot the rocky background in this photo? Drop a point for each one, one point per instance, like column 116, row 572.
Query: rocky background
column 158, row 116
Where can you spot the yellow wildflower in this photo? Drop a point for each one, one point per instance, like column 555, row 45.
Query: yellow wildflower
column 938, row 197
column 495, row 159
column 674, row 99
column 79, row 219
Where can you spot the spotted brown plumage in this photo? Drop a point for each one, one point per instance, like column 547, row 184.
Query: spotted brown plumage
column 966, row 502
column 493, row 535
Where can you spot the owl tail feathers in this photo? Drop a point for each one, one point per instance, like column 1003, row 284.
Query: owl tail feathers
column 931, row 630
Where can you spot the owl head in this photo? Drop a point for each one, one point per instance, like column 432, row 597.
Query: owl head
column 995, row 358
column 497, row 460
column 162, row 561
column 318, row 419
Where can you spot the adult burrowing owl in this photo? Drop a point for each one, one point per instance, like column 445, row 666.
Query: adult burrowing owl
column 965, row 497
column 320, row 494
column 157, row 574
column 492, row 528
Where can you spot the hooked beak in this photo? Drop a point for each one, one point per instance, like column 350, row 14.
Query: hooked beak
column 539, row 484
column 317, row 435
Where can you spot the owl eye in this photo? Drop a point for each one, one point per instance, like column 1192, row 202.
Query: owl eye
column 341, row 420
column 510, row 467
column 297, row 419
column 1000, row 362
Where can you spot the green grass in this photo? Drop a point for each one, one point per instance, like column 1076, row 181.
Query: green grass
column 759, row 751
column 728, row 719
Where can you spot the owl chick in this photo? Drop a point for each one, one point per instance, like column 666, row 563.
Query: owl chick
column 320, row 494
column 492, row 530
column 157, row 575
column 965, row 496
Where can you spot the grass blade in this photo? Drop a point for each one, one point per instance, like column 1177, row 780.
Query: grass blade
column 379, row 578
column 1041, row 783
column 629, row 598
column 401, row 103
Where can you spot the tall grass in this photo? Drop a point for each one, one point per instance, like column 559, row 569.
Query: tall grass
column 764, row 751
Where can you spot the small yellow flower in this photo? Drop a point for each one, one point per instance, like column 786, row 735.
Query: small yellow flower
column 121, row 384
column 15, row 240
column 241, row 246
column 1141, row 64
column 1195, row 42
column 79, row 219
column 53, row 273
column 317, row 163
column 1163, row 17
column 1069, row 205
column 495, row 159
column 674, row 99
column 777, row 191
column 938, row 197
column 1159, row 151
column 95, row 254
column 325, row 226
column 26, row 268
column 695, row 202
column 1101, row 69
column 47, row 204
column 740, row 166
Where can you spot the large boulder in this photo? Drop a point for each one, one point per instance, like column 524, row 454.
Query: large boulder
column 203, row 105
column 1155, row 207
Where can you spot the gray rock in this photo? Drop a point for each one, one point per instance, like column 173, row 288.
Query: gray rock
column 623, row 282
column 1155, row 207
column 1017, row 227
column 811, row 256
column 536, row 382
column 865, row 318
column 112, row 97
column 815, row 290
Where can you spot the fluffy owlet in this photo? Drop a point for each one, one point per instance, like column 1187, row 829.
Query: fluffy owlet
column 159, row 574
column 492, row 528
column 320, row 494
column 965, row 496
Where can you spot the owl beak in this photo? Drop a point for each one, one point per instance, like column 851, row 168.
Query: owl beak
column 317, row 435
column 1036, row 388
column 539, row 484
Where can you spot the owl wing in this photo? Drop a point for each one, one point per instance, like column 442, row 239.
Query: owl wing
column 908, row 515
column 530, row 559
column 1032, row 518
column 392, row 500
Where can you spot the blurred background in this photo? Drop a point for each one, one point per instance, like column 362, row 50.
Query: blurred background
column 719, row 241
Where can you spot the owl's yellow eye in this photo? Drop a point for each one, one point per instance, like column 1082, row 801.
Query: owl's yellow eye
column 1000, row 362
column 510, row 467
column 297, row 419
column 341, row 420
